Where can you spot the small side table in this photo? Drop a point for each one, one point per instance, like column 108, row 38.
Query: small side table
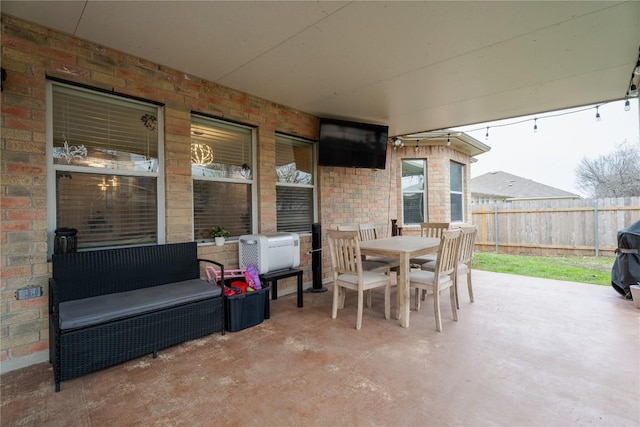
column 271, row 279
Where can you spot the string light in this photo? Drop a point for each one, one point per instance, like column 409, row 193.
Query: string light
column 565, row 113
column 627, row 107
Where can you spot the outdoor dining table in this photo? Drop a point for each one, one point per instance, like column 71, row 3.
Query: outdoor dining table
column 404, row 248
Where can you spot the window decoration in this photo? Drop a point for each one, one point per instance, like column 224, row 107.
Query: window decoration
column 69, row 152
column 201, row 154
column 104, row 168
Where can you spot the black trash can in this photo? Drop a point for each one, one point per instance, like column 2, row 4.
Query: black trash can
column 66, row 240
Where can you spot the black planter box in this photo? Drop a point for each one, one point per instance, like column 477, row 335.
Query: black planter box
column 246, row 310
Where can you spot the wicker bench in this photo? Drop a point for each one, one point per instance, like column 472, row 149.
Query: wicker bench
column 113, row 305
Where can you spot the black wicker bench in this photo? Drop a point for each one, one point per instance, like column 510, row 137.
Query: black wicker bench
column 113, row 305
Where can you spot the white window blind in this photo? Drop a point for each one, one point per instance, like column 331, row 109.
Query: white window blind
column 295, row 184
column 222, row 169
column 105, row 167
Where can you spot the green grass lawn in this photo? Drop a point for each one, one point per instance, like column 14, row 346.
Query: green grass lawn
column 591, row 270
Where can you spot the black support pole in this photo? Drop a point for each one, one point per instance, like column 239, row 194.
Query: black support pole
column 316, row 258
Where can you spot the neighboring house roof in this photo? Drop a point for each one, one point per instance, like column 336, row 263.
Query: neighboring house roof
column 505, row 185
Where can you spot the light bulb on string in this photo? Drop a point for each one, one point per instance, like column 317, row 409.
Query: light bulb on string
column 535, row 125
column 486, row 136
column 627, row 105
column 598, row 117
column 448, row 139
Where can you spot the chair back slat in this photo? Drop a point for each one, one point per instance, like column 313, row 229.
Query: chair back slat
column 433, row 229
column 367, row 232
column 348, row 227
column 345, row 251
column 448, row 252
column 467, row 243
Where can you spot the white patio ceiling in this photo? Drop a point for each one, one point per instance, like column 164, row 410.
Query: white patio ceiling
column 415, row 66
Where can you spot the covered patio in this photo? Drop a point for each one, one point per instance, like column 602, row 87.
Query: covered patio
column 528, row 351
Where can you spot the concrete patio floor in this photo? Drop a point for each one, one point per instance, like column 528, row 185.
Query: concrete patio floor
column 528, row 352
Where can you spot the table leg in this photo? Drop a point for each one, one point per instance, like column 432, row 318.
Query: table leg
column 404, row 290
column 299, row 289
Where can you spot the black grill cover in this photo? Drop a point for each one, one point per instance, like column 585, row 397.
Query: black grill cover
column 626, row 268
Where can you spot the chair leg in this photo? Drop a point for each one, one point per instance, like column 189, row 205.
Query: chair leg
column 360, row 309
column 455, row 285
column 454, row 299
column 368, row 295
column 436, row 308
column 336, row 300
column 387, row 301
column 469, row 285
column 343, row 296
column 418, row 293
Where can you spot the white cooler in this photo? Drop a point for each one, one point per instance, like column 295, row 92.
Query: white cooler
column 269, row 252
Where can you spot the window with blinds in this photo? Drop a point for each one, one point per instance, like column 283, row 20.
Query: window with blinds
column 222, row 170
column 456, row 174
column 413, row 191
column 105, row 163
column 295, row 184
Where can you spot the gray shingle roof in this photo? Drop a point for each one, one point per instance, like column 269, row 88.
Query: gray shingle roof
column 506, row 185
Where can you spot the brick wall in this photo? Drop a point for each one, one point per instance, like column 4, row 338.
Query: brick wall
column 30, row 53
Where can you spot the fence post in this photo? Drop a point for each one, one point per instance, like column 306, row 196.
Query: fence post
column 596, row 241
column 495, row 226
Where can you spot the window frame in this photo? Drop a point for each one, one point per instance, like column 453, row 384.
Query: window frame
column 314, row 176
column 424, row 191
column 460, row 192
column 53, row 168
column 252, row 182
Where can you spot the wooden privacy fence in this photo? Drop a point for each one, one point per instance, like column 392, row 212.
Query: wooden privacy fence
column 554, row 226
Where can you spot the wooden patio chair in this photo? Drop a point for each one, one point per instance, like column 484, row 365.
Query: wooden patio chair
column 465, row 259
column 442, row 278
column 368, row 232
column 429, row 229
column 348, row 273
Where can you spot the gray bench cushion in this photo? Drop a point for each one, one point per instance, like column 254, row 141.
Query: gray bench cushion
column 96, row 310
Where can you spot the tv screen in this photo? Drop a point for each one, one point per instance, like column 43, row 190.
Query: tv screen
column 351, row 144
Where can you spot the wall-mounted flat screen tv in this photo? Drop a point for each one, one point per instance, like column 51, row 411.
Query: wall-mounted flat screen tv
column 352, row 144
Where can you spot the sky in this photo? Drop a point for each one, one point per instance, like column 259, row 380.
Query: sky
column 551, row 154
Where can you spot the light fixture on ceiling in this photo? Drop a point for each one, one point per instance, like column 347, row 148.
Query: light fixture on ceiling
column 535, row 125
column 627, row 105
column 448, row 140
column 598, row 117
column 396, row 142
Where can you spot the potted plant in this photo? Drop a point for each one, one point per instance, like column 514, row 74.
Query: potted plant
column 219, row 234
